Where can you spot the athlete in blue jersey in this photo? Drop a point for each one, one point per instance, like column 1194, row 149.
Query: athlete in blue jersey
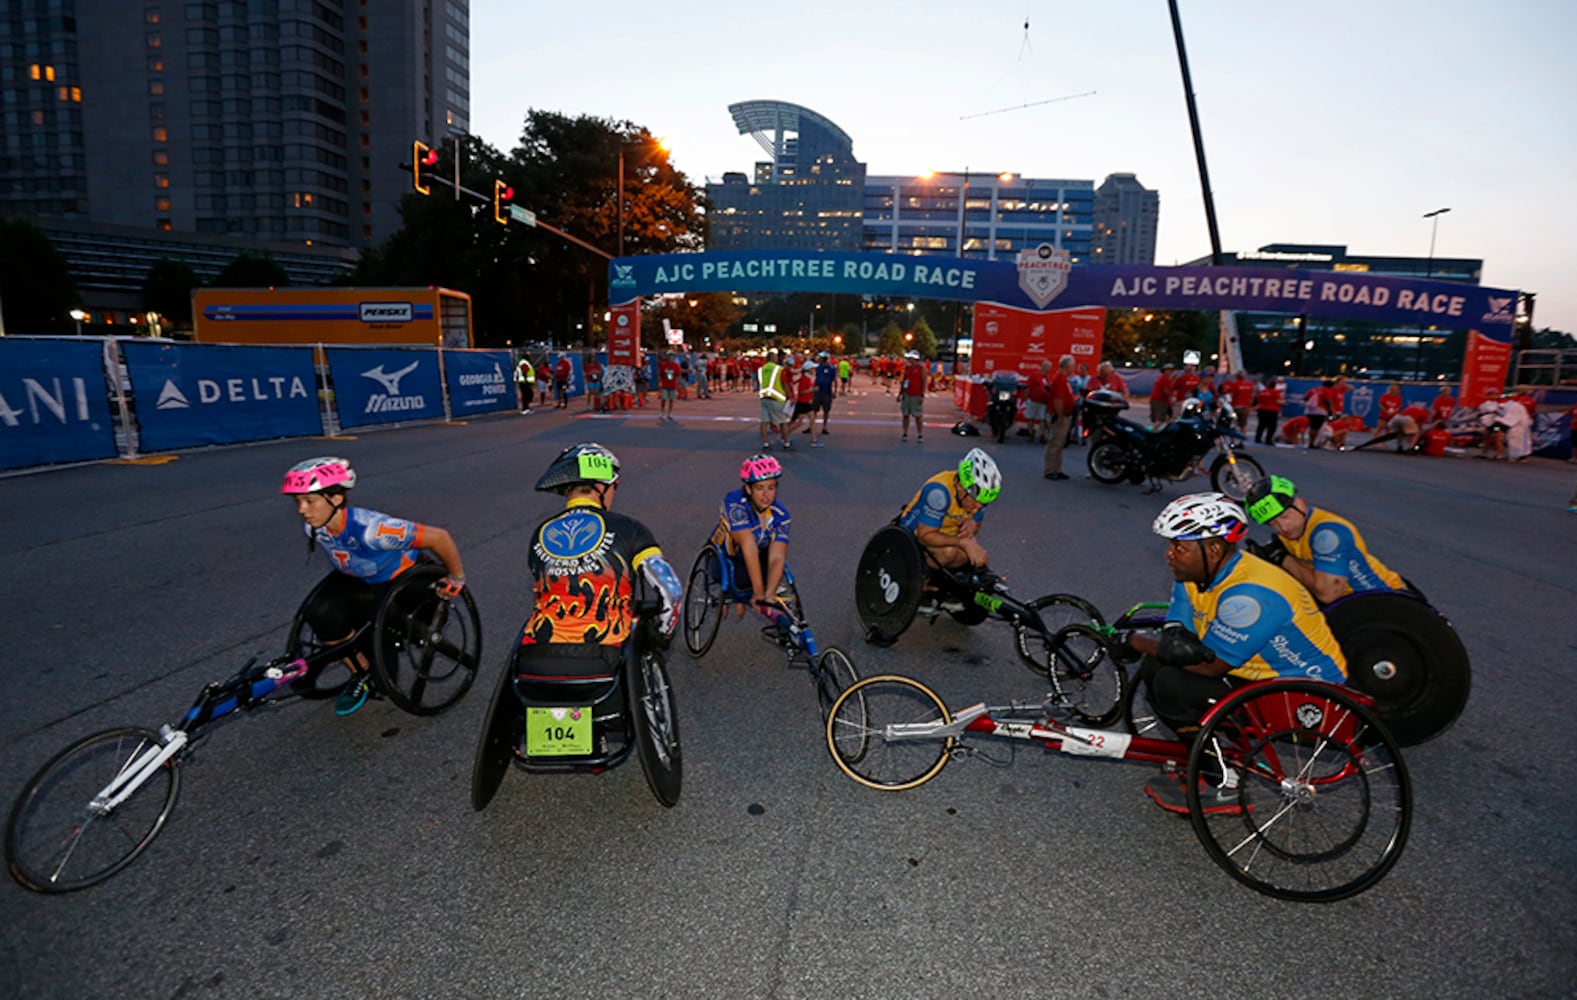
column 1232, row 616
column 946, row 513
column 1320, row 550
column 754, row 530
column 368, row 551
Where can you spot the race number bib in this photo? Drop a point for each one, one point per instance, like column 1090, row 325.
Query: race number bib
column 558, row 732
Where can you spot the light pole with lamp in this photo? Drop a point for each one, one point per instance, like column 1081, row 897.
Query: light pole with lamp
column 1429, row 272
column 662, row 144
column 78, row 316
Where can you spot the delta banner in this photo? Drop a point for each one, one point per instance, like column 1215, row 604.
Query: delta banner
column 624, row 333
column 1485, row 365
column 198, row 394
column 385, row 386
column 54, row 406
column 1019, row 340
column 1042, row 278
column 479, row 382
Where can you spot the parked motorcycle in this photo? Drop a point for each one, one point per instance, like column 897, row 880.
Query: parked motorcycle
column 1121, row 449
column 1002, row 406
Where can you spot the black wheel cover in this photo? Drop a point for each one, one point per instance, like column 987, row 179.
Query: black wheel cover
column 1405, row 656
column 889, row 581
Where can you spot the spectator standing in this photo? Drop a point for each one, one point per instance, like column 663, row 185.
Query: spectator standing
column 1183, row 386
column 845, row 373
column 562, row 372
column 804, row 392
column 1078, row 382
column 1390, row 405
column 703, row 378
column 911, row 396
column 1161, row 398
column 1267, row 406
column 1036, row 396
column 1106, row 377
column 668, row 375
column 1240, row 392
column 593, row 369
column 1444, row 405
column 526, row 381
column 826, row 385
column 1061, row 403
column 1314, row 407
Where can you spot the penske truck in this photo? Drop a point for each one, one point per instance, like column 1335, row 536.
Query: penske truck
column 383, row 316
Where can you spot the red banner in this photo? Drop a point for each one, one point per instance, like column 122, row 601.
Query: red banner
column 1020, row 340
column 1484, row 368
column 624, row 333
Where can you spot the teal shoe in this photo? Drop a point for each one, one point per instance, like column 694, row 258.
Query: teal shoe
column 352, row 697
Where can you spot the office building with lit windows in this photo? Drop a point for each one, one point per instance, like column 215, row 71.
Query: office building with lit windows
column 268, row 122
column 813, row 194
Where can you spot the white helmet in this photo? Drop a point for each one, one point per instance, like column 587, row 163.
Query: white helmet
column 1202, row 515
column 979, row 476
column 1191, row 407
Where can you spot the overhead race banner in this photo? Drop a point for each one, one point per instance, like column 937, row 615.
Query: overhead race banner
column 1042, row 279
column 53, row 403
column 196, row 394
column 374, row 386
column 1019, row 340
column 479, row 381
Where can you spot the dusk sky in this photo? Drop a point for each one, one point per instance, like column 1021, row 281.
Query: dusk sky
column 1339, row 122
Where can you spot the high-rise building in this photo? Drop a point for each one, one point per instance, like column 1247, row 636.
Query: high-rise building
column 978, row 215
column 273, row 120
column 1126, row 213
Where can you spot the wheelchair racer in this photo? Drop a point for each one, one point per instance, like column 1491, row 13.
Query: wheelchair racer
column 1233, row 617
column 1320, row 550
column 368, row 550
column 946, row 514
column 753, row 530
column 585, row 560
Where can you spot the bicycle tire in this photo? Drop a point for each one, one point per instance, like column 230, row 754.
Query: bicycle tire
column 884, row 763
column 427, row 649
column 656, row 721
column 1056, row 611
column 1093, row 685
column 1323, row 801
column 703, row 602
column 834, row 673
column 48, row 829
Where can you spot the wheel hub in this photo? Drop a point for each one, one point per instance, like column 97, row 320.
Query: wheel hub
column 1384, row 669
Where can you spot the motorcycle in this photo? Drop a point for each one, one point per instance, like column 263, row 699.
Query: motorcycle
column 1002, row 407
column 1121, row 449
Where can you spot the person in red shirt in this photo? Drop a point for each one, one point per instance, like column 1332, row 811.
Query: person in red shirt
column 1184, row 385
column 1444, row 405
column 1315, row 406
column 1036, row 398
column 667, row 386
column 802, row 390
column 593, row 383
column 561, row 377
column 1061, row 406
column 1267, row 407
column 1390, row 405
column 1336, row 396
column 911, row 395
column 1106, row 377
column 1161, row 397
column 1240, row 393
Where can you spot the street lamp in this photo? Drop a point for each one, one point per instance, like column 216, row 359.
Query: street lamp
column 79, row 316
column 662, row 144
column 1429, row 272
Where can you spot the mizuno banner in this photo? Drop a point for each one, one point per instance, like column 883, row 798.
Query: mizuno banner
column 53, row 402
column 385, row 386
column 195, row 394
column 479, row 382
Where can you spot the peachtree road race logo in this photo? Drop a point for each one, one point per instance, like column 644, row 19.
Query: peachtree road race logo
column 1499, row 310
column 623, row 275
column 232, row 390
column 390, row 399
column 1043, row 273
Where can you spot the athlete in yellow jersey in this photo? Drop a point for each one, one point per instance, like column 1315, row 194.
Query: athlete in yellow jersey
column 1320, row 550
column 945, row 515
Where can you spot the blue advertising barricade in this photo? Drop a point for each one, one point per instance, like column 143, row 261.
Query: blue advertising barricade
column 385, row 385
column 196, row 394
column 53, row 404
column 479, row 382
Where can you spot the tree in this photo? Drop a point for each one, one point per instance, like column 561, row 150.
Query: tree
column 705, row 318
column 36, row 289
column 252, row 271
column 1158, row 336
column 167, row 290
column 924, row 340
column 891, row 340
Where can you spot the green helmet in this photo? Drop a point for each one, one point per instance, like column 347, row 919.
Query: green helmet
column 979, row 477
column 1269, row 498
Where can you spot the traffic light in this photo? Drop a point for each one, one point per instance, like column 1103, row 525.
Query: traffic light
column 502, row 194
column 422, row 155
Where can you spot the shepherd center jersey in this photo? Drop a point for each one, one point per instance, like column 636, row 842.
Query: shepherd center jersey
column 1261, row 621
column 584, row 560
column 1333, row 546
column 738, row 515
column 936, row 506
column 373, row 546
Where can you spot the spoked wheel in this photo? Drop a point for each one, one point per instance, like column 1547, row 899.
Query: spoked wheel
column 1056, row 611
column 881, row 733
column 1089, row 683
column 321, row 682
column 1139, row 716
column 1322, row 801
column 1405, row 656
column 497, row 746
column 1109, row 462
column 427, row 649
column 834, row 674
column 1234, row 475
column 656, row 726
column 56, row 841
column 703, row 602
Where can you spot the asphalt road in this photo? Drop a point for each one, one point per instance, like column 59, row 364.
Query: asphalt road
column 317, row 856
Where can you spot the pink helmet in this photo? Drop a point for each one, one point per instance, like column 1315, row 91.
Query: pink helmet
column 318, row 474
column 759, row 467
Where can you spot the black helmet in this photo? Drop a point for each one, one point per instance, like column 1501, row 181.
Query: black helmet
column 587, row 462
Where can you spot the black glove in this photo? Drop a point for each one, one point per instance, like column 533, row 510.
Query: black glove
column 1178, row 647
column 1272, row 552
column 1123, row 651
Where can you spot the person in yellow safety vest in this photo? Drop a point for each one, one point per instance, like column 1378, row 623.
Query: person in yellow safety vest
column 774, row 396
column 526, row 379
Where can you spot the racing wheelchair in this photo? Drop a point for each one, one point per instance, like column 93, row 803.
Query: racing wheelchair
column 576, row 709
column 896, row 582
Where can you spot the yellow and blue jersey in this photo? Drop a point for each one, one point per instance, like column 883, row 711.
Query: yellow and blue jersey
column 1261, row 621
column 738, row 514
column 1334, row 546
column 936, row 506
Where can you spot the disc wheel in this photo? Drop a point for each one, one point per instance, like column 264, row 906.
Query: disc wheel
column 1234, row 475
column 1405, row 656
column 656, row 722
column 880, row 733
column 496, row 748
column 1318, row 800
column 1088, row 682
column 1109, row 462
column 1056, row 611
column 888, row 582
column 703, row 602
column 56, row 842
column 428, row 649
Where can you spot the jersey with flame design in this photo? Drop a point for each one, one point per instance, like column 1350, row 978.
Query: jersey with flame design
column 584, row 560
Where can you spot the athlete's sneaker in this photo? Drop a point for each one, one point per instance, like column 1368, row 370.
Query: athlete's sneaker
column 818, row 443
column 352, row 696
column 1168, row 792
column 766, row 446
column 824, row 430
column 788, row 445
column 805, row 431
